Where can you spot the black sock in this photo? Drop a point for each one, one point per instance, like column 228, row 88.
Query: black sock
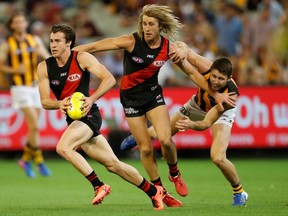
column 148, row 188
column 157, row 182
column 173, row 169
column 94, row 180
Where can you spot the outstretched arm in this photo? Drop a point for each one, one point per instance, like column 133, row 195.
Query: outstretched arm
column 208, row 121
column 180, row 51
column 191, row 63
column 125, row 42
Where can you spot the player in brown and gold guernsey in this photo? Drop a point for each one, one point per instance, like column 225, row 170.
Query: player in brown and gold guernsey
column 18, row 59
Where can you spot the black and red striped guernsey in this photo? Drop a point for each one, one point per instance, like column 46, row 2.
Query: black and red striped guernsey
column 139, row 84
column 66, row 80
column 205, row 101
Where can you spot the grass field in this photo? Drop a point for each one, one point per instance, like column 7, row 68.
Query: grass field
column 66, row 192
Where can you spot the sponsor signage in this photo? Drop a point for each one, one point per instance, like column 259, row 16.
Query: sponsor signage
column 261, row 120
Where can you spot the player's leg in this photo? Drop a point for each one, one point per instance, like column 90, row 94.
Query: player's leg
column 169, row 200
column 130, row 142
column 31, row 119
column 32, row 149
column 173, row 119
column 138, row 128
column 221, row 136
column 159, row 117
column 99, row 149
column 73, row 137
column 23, row 98
column 137, row 125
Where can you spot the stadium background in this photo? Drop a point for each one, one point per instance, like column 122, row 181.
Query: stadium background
column 261, row 124
column 258, row 148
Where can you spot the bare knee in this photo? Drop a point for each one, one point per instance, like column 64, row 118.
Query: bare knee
column 146, row 152
column 62, row 151
column 218, row 160
column 166, row 142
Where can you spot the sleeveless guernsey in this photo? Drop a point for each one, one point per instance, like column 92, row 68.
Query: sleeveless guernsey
column 66, row 80
column 139, row 84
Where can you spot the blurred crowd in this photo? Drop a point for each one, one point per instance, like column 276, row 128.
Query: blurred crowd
column 253, row 33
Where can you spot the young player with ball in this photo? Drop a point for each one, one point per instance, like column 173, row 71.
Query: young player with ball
column 67, row 72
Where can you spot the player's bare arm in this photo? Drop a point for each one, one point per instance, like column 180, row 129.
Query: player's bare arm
column 177, row 51
column 211, row 117
column 44, row 89
column 200, row 81
column 90, row 63
column 125, row 42
column 181, row 51
column 195, row 76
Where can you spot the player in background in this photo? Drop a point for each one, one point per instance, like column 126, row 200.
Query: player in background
column 19, row 55
column 145, row 52
column 69, row 71
column 203, row 106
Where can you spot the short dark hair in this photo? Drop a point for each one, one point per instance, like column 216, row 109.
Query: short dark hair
column 223, row 65
column 68, row 32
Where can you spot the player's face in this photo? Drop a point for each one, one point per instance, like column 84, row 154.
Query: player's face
column 58, row 44
column 19, row 24
column 150, row 28
column 217, row 80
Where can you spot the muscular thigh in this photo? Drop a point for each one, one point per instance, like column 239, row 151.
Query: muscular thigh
column 221, row 136
column 99, row 149
column 159, row 117
column 75, row 135
column 138, row 128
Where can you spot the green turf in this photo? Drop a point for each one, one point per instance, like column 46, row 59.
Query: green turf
column 66, row 192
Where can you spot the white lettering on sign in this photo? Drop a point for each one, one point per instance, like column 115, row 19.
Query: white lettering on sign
column 243, row 139
column 257, row 113
column 277, row 138
column 280, row 115
column 191, row 139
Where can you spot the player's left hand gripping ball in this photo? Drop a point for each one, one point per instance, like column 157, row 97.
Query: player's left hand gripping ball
column 74, row 111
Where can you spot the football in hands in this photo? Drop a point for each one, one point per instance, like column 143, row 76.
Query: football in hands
column 74, row 111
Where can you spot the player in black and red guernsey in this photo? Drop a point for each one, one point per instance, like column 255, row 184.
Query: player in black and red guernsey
column 65, row 73
column 145, row 52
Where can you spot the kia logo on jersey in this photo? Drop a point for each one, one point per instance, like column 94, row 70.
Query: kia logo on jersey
column 159, row 63
column 137, row 59
column 73, row 77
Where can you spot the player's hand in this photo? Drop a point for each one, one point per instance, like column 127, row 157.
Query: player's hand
column 64, row 104
column 226, row 98
column 177, row 53
column 183, row 124
column 86, row 105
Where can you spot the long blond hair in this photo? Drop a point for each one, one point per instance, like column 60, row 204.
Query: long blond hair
column 169, row 23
